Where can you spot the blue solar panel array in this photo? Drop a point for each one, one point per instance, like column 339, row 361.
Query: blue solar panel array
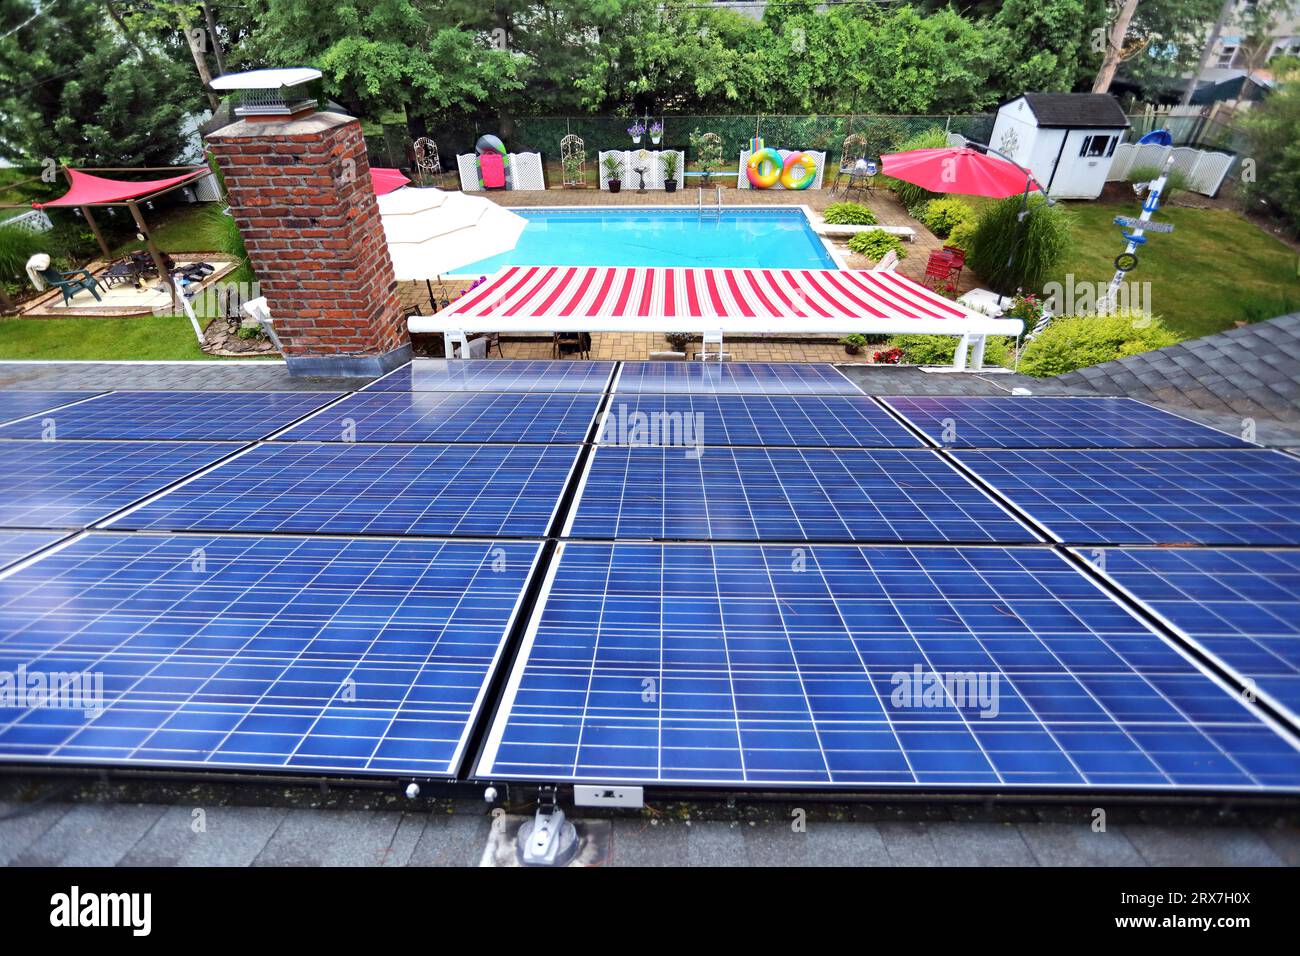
column 453, row 417
column 831, row 666
column 14, row 405
column 1240, row 606
column 340, row 488
column 772, row 378
column 357, row 656
column 17, row 545
column 672, row 418
column 496, row 375
column 990, row 421
column 73, row 484
column 172, row 416
column 787, row 494
column 1148, row 497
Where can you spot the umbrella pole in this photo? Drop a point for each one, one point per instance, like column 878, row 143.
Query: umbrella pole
column 429, row 285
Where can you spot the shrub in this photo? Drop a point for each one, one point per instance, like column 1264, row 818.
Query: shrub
column 963, row 234
column 1074, row 342
column 875, row 245
column 848, row 214
column 911, row 196
column 16, row 247
column 941, row 216
column 940, row 349
column 1039, row 244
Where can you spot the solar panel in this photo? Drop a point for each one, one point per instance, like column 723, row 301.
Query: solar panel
column 453, row 417
column 72, row 484
column 17, row 545
column 749, row 665
column 1241, row 607
column 495, row 375
column 15, row 405
column 983, row 421
column 358, row 656
column 649, row 418
column 173, row 416
column 341, row 488
column 1146, row 497
column 787, row 494
column 790, row 378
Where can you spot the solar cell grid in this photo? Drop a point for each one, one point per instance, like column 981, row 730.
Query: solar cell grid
column 772, row 666
column 358, row 656
column 72, row 484
column 1143, row 497
column 341, row 488
column 1242, row 607
column 453, row 417
column 771, row 420
column 771, row 378
column 988, row 421
column 496, row 375
column 14, row 405
column 16, row 545
column 173, row 416
column 784, row 494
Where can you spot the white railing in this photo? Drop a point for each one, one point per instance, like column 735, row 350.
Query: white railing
column 34, row 221
column 1202, row 170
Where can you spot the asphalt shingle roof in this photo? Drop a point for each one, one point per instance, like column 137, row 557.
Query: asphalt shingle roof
column 1077, row 110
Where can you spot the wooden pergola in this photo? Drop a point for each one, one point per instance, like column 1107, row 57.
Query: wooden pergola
column 87, row 190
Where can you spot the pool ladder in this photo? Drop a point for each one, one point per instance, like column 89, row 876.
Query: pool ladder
column 712, row 210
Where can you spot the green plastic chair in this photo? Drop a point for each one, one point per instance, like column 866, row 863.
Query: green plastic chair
column 70, row 283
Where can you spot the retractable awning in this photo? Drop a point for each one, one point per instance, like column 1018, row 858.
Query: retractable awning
column 90, row 190
column 735, row 301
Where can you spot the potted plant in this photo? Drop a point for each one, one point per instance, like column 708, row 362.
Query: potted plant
column 613, row 170
column 678, row 340
column 636, row 131
column 670, row 171
column 853, row 343
column 656, row 132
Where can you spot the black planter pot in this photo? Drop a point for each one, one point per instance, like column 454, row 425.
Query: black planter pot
column 670, row 185
column 615, row 185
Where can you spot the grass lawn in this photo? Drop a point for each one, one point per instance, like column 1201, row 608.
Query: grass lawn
column 185, row 227
column 107, row 339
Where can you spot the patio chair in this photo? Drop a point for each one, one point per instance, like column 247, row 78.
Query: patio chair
column 941, row 268
column 70, row 283
column 579, row 342
column 887, row 264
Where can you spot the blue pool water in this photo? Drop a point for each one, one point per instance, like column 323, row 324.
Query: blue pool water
column 767, row 238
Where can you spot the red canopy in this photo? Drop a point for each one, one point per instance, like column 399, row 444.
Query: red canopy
column 386, row 180
column 88, row 190
column 958, row 169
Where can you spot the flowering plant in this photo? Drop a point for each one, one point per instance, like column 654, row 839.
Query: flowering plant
column 888, row 356
column 656, row 128
column 636, row 129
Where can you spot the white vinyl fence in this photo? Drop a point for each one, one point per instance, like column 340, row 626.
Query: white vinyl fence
column 1203, row 171
column 524, row 172
column 34, row 221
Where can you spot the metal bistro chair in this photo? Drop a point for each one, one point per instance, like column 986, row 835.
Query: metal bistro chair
column 579, row 342
column 854, row 148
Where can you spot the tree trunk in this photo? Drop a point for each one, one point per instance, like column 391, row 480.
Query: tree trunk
column 1114, row 47
column 1207, row 51
column 195, row 40
column 212, row 34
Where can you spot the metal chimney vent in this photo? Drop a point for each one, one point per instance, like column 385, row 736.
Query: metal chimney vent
column 269, row 94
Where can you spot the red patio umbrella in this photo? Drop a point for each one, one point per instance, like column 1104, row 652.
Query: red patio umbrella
column 959, row 169
column 386, row 180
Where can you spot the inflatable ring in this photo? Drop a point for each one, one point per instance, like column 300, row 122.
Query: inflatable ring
column 759, row 179
column 799, row 162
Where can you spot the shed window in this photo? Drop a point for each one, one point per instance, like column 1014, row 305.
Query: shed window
column 1097, row 146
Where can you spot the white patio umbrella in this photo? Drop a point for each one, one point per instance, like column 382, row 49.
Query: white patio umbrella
column 431, row 232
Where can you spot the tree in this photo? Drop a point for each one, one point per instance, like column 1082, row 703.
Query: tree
column 1274, row 153
column 1051, row 45
column 118, row 101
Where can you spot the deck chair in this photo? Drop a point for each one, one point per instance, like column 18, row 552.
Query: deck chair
column 888, row 264
column 70, row 283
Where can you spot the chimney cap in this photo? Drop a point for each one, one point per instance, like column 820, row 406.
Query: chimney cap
column 266, row 79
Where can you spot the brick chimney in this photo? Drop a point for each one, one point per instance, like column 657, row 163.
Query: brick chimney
column 300, row 191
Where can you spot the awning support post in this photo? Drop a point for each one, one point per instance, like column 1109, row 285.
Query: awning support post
column 977, row 353
column 450, row 340
column 959, row 357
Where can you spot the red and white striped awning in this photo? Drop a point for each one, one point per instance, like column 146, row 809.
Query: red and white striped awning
column 611, row 299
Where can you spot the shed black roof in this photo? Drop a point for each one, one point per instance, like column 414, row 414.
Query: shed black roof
column 1077, row 110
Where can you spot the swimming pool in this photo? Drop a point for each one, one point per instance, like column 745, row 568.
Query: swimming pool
column 738, row 238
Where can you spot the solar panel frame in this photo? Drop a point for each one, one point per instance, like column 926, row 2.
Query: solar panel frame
column 1143, row 695
column 302, row 641
column 175, row 416
column 790, row 378
column 832, row 421
column 1045, row 422
column 1171, row 497
column 340, row 488
column 1254, row 636
column 17, row 546
column 456, row 416
column 16, row 405
column 73, row 484
column 496, row 375
column 750, row 493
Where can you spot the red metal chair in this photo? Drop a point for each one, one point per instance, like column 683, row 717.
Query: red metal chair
column 943, row 267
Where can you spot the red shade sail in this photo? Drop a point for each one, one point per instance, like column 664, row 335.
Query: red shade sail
column 386, row 180
column 958, row 170
column 88, row 190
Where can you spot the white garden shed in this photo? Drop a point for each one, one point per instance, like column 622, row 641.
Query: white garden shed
column 1067, row 140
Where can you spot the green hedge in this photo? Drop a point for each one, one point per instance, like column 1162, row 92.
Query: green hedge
column 1072, row 342
column 940, row 349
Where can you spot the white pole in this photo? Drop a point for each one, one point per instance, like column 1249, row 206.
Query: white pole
column 189, row 309
column 1155, row 190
